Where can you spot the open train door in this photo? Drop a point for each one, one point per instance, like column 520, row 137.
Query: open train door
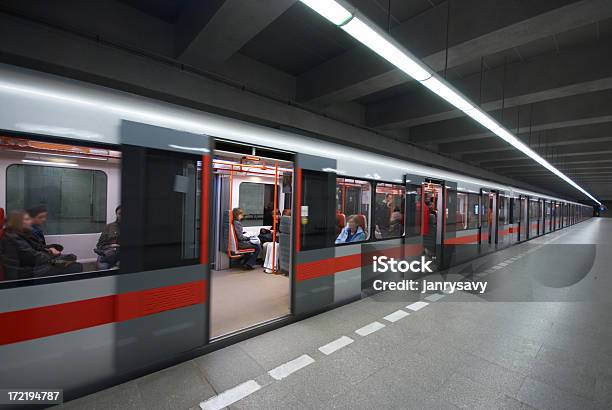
column 488, row 220
column 426, row 206
column 164, row 242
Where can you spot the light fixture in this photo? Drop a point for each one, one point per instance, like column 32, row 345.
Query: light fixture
column 331, row 10
column 52, row 163
column 379, row 41
column 195, row 149
column 366, row 35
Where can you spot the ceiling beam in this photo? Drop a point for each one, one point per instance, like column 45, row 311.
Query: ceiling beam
column 582, row 109
column 575, row 71
column 560, row 152
column 210, row 32
column 504, row 165
column 551, row 138
column 502, row 25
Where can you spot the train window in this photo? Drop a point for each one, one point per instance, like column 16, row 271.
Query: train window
column 389, row 211
column 461, row 219
column 413, row 211
column 317, row 222
column 161, row 209
column 257, row 202
column 514, row 210
column 353, row 200
column 473, row 211
column 60, row 201
column 75, row 199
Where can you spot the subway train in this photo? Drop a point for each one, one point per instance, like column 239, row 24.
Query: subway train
column 183, row 178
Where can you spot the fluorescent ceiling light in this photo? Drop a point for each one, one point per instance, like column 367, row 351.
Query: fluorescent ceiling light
column 447, row 93
column 59, row 164
column 384, row 48
column 330, row 9
column 378, row 41
column 196, row 149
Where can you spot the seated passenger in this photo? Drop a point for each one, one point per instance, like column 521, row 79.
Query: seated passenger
column 244, row 242
column 39, row 216
column 24, row 254
column 107, row 247
column 352, row 232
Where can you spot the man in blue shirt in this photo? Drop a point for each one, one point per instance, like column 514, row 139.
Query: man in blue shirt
column 39, row 215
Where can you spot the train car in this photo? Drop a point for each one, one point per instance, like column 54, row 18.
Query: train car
column 199, row 196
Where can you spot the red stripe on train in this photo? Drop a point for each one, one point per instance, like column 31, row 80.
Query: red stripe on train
column 51, row 320
column 328, row 267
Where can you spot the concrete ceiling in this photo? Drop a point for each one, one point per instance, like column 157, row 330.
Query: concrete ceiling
column 543, row 68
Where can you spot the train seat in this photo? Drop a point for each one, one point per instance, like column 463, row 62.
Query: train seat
column 235, row 252
column 340, row 222
column 363, row 222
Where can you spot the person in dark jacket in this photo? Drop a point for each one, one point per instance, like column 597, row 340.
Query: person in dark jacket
column 39, row 215
column 243, row 242
column 383, row 216
column 24, row 256
column 107, row 247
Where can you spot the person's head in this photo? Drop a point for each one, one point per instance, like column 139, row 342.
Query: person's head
column 18, row 221
column 38, row 214
column 389, row 199
column 353, row 222
column 287, row 212
column 238, row 214
column 118, row 213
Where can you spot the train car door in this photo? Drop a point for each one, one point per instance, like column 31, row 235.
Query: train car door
column 503, row 219
column 318, row 281
column 523, row 219
column 488, row 220
column 432, row 222
column 164, row 243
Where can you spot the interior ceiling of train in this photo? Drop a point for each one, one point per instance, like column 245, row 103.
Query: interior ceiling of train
column 541, row 68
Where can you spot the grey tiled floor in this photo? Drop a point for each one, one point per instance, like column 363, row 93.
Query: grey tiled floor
column 552, row 350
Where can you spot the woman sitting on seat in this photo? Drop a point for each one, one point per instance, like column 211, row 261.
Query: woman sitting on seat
column 352, row 232
column 244, row 242
column 25, row 256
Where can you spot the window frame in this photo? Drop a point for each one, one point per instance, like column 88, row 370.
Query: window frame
column 45, row 280
column 403, row 212
column 369, row 216
column 467, row 212
column 257, row 183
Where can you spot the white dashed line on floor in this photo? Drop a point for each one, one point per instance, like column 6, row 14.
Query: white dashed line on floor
column 435, row 297
column 369, row 329
column 417, row 306
column 284, row 370
column 336, row 345
column 230, row 396
column 395, row 316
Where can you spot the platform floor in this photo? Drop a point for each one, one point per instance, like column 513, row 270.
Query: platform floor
column 459, row 350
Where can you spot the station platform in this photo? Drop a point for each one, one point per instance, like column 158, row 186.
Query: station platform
column 539, row 339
